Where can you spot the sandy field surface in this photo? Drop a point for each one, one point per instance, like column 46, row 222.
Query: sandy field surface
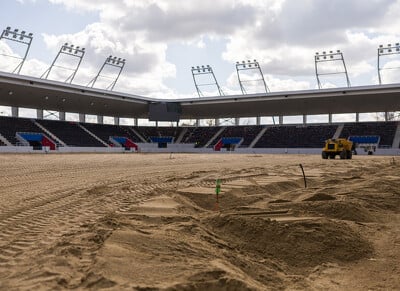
column 152, row 222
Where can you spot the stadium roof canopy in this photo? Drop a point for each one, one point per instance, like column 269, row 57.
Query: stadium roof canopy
column 30, row 92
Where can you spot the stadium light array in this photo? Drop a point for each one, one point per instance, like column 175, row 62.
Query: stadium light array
column 330, row 56
column 110, row 61
column 71, row 51
column 389, row 49
column 250, row 65
column 114, row 61
column 204, row 70
column 19, row 37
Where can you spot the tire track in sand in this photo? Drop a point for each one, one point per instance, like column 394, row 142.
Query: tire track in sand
column 55, row 225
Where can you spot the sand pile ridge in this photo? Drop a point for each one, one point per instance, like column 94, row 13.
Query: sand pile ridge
column 149, row 222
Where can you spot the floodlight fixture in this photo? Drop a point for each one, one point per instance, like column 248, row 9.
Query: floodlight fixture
column 331, row 56
column 112, row 62
column 205, row 70
column 71, row 51
column 19, row 37
column 250, row 65
column 383, row 51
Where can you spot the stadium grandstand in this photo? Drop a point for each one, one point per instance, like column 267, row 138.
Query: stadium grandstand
column 44, row 135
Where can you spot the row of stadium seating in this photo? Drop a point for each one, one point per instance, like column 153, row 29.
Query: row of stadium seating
column 200, row 135
column 296, row 136
column 10, row 126
column 71, row 133
column 104, row 131
column 148, row 132
column 386, row 131
column 284, row 136
column 247, row 132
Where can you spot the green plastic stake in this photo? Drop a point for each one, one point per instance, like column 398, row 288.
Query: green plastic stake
column 217, row 186
column 217, row 191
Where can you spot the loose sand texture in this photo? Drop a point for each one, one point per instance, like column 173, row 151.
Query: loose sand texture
column 152, row 222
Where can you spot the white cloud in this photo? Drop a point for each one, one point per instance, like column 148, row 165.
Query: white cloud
column 285, row 40
column 25, row 1
column 282, row 35
column 390, row 72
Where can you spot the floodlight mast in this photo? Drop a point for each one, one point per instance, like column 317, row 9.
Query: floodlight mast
column 250, row 65
column 20, row 37
column 330, row 57
column 205, row 70
column 113, row 62
column 386, row 51
column 68, row 50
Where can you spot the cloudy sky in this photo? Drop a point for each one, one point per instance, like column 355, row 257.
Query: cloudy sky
column 162, row 39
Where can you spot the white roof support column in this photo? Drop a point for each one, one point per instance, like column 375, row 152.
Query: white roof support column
column 82, row 117
column 39, row 113
column 304, row 118
column 61, row 116
column 14, row 111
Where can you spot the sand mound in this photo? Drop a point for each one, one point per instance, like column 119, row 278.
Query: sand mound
column 298, row 244
column 215, row 280
column 320, row 197
column 158, row 206
column 379, row 200
column 279, row 201
column 231, row 199
column 218, row 284
column 149, row 222
column 343, row 210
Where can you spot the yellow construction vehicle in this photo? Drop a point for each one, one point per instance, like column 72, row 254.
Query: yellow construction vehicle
column 339, row 146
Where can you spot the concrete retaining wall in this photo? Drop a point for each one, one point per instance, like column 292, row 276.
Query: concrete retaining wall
column 182, row 148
